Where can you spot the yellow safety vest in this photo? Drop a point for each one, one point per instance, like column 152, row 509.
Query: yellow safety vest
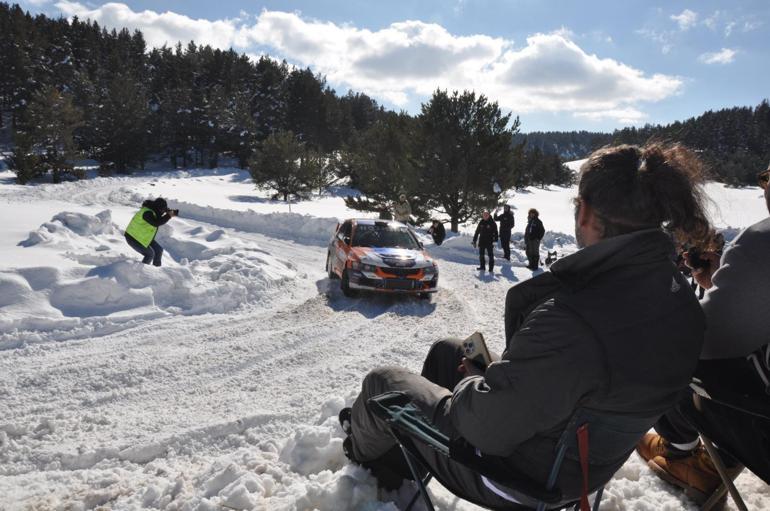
column 140, row 230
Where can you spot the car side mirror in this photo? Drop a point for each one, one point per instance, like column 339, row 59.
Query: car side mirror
column 346, row 240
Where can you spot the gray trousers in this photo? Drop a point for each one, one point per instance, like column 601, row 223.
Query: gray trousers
column 533, row 252
column 431, row 393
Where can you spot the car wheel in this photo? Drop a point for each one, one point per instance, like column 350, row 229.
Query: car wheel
column 329, row 269
column 425, row 296
column 345, row 285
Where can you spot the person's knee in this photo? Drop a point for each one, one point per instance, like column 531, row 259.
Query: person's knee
column 377, row 380
column 445, row 349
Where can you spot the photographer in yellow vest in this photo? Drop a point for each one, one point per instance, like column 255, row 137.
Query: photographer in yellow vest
column 141, row 231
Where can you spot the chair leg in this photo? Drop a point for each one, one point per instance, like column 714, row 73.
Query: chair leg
column 598, row 498
column 422, row 485
column 418, row 492
column 720, row 466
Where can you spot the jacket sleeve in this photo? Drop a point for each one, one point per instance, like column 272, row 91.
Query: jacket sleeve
column 476, row 235
column 554, row 363
column 735, row 301
column 540, row 230
column 156, row 222
column 494, row 234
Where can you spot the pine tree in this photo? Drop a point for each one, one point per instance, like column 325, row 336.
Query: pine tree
column 122, row 125
column 52, row 119
column 466, row 149
column 381, row 161
column 284, row 164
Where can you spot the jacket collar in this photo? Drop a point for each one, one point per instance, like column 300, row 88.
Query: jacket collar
column 636, row 248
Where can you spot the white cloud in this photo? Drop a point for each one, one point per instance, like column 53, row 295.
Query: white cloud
column 621, row 115
column 751, row 25
column 408, row 60
column 711, row 21
column 686, row 19
column 723, row 56
column 159, row 28
column 729, row 28
column 664, row 39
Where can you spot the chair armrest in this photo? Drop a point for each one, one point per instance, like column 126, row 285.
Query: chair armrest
column 408, row 425
column 758, row 406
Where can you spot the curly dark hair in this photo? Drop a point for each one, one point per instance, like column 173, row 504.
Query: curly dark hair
column 657, row 185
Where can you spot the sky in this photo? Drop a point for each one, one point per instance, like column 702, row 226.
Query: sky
column 558, row 65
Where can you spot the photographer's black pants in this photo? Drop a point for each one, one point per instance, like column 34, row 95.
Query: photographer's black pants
column 152, row 253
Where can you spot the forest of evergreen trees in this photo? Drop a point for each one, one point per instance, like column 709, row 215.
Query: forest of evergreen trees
column 71, row 89
column 735, row 142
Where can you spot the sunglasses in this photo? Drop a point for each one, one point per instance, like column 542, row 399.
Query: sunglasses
column 763, row 178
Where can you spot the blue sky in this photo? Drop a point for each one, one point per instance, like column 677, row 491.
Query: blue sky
column 558, row 65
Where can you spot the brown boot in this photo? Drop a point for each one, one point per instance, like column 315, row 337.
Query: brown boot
column 695, row 474
column 652, row 445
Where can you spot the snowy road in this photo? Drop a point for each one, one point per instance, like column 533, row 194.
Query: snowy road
column 220, row 408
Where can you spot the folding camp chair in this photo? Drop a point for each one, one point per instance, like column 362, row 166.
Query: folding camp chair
column 755, row 406
column 605, row 434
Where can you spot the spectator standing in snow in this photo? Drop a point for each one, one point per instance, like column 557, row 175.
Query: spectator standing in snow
column 533, row 233
column 402, row 211
column 141, row 231
column 572, row 339
column 506, row 224
column 735, row 357
column 485, row 237
column 438, row 232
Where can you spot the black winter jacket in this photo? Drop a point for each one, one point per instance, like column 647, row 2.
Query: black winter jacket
column 613, row 327
column 438, row 232
column 486, row 233
column 506, row 220
column 160, row 217
column 534, row 230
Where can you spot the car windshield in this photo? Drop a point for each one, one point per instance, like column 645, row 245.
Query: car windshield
column 384, row 236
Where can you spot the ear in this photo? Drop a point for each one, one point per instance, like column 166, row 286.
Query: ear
column 589, row 221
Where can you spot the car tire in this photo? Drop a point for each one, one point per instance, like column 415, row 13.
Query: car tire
column 345, row 285
column 425, row 296
column 329, row 269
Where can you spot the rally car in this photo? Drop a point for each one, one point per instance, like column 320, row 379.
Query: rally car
column 382, row 256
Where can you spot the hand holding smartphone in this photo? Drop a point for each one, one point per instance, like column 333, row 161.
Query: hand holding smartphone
column 475, row 350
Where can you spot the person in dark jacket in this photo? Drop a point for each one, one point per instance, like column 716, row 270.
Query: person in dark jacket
column 141, row 231
column 533, row 233
column 438, row 232
column 485, row 238
column 735, row 357
column 506, row 225
column 586, row 334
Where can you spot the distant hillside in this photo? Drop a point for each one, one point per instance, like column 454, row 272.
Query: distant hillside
column 569, row 145
column 734, row 142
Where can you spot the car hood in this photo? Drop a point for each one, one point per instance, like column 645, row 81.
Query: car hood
column 397, row 257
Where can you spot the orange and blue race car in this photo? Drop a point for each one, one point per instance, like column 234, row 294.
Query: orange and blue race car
column 382, row 256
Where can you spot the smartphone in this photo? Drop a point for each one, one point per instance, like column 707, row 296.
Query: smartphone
column 475, row 350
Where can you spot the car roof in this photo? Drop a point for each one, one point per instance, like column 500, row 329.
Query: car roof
column 374, row 221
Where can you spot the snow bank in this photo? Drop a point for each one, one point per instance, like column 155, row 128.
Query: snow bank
column 108, row 289
column 303, row 229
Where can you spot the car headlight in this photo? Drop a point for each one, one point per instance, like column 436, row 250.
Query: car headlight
column 357, row 265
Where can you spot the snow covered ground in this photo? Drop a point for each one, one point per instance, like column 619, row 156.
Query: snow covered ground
column 214, row 382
